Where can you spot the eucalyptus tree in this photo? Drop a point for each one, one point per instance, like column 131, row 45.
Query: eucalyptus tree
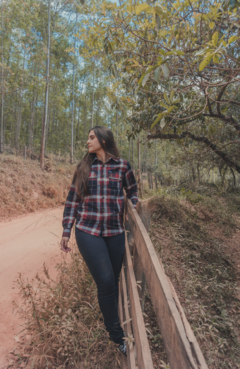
column 45, row 116
column 2, row 83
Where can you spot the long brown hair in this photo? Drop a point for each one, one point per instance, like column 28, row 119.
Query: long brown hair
column 80, row 178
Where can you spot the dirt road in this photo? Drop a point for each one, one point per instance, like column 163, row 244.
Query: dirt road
column 25, row 243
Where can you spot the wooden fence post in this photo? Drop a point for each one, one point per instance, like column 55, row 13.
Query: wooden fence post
column 144, row 266
column 144, row 214
column 139, row 182
column 180, row 343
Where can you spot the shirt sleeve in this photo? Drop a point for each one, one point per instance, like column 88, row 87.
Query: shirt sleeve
column 70, row 211
column 130, row 185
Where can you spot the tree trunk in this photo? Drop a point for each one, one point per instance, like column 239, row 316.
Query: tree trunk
column 73, row 101
column 19, row 114
column 52, row 124
column 138, row 146
column 32, row 122
column 93, row 91
column 146, row 156
column 155, row 154
column 85, row 118
column 46, row 92
column 149, row 180
column 193, row 173
column 48, row 119
column 117, row 125
column 234, row 178
column 198, row 171
column 129, row 146
column 77, row 131
column 1, row 130
column 132, row 154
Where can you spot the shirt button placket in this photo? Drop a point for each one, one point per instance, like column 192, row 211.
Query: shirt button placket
column 102, row 190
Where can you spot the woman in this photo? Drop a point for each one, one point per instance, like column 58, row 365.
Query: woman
column 96, row 201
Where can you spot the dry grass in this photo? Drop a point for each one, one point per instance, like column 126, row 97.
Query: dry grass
column 189, row 237
column 64, row 326
column 155, row 339
column 25, row 188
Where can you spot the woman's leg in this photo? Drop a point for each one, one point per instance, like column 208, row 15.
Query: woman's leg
column 95, row 253
column 116, row 248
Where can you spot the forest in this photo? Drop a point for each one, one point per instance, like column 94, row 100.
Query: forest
column 164, row 76
column 67, row 66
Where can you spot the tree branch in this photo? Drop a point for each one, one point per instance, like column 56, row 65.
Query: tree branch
column 228, row 119
column 219, row 98
column 203, row 139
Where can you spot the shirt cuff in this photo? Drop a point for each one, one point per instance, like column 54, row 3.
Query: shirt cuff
column 66, row 232
column 135, row 204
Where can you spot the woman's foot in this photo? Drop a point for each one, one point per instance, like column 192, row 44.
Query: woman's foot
column 123, row 348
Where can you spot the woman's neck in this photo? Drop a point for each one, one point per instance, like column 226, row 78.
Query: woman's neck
column 102, row 156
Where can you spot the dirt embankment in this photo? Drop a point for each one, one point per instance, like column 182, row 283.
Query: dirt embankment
column 27, row 240
column 197, row 238
column 25, row 188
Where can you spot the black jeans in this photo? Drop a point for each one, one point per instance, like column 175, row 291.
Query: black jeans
column 104, row 257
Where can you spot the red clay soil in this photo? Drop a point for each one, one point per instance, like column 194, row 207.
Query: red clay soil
column 26, row 243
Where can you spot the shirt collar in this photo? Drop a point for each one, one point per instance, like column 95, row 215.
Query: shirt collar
column 110, row 157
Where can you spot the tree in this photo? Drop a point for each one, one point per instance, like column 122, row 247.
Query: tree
column 45, row 117
column 182, row 62
column 2, row 82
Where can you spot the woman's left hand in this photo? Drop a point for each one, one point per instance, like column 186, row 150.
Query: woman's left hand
column 64, row 244
column 126, row 217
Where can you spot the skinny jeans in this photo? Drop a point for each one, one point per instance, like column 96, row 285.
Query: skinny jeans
column 104, row 257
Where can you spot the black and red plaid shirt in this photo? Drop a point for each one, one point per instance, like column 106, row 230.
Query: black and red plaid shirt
column 101, row 210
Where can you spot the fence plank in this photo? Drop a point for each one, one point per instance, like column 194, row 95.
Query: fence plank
column 181, row 354
column 191, row 337
column 144, row 214
column 144, row 358
column 120, row 306
column 127, row 326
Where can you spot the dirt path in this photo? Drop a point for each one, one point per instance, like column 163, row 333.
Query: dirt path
column 25, row 243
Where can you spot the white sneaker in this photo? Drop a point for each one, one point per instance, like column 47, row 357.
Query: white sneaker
column 123, row 348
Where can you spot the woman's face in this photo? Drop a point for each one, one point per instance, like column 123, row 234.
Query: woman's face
column 93, row 143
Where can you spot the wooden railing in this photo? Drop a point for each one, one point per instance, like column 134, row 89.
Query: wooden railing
column 142, row 266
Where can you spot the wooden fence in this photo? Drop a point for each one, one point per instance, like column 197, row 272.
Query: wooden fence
column 142, row 266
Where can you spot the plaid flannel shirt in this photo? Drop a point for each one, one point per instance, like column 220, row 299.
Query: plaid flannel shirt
column 101, row 210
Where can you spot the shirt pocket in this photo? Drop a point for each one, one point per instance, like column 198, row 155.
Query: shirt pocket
column 115, row 180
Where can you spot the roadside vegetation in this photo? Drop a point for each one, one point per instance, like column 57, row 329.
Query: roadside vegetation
column 195, row 229
column 196, row 233
column 25, row 188
column 64, row 326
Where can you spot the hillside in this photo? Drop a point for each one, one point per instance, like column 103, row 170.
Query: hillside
column 196, row 232
column 195, row 229
column 25, row 188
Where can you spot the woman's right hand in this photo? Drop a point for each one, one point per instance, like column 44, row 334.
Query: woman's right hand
column 64, row 244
